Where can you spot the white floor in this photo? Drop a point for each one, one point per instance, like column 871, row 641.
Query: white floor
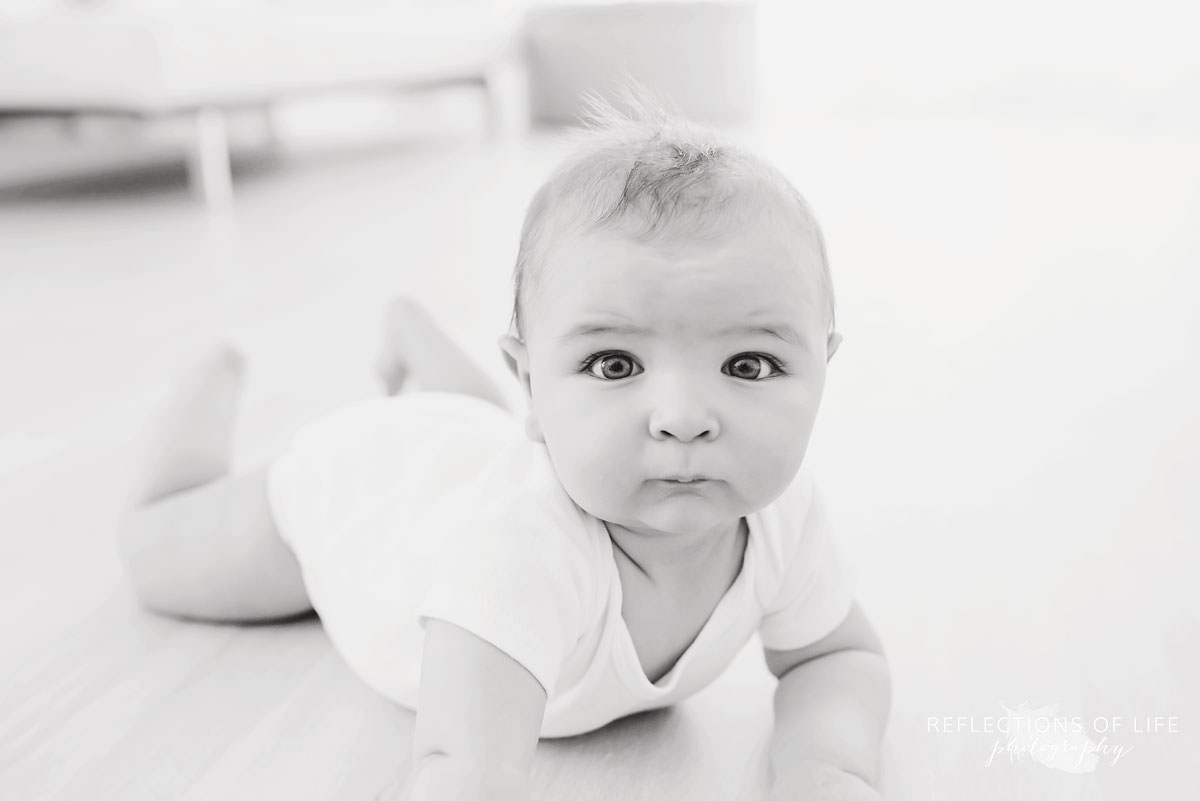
column 1010, row 436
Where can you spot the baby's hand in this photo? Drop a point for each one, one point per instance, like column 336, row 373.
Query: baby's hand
column 820, row 781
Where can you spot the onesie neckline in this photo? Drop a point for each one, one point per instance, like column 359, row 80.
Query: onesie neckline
column 627, row 661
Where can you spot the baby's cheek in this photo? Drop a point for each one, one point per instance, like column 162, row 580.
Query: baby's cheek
column 607, row 470
column 773, row 465
column 588, row 473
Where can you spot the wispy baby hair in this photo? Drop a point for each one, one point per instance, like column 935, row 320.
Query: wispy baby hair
column 654, row 176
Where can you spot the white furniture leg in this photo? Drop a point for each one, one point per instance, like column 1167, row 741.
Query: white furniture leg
column 208, row 160
column 270, row 129
column 506, row 98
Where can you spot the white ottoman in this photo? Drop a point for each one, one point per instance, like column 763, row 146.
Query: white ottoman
column 699, row 58
column 200, row 60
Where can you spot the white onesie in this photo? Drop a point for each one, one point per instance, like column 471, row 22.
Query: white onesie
column 437, row 505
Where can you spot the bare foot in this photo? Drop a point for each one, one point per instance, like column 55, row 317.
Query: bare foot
column 392, row 364
column 416, row 347
column 191, row 442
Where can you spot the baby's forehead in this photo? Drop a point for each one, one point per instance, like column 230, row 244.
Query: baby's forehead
column 694, row 283
column 673, row 199
column 759, row 254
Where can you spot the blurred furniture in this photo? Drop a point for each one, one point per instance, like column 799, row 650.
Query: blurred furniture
column 201, row 60
column 697, row 57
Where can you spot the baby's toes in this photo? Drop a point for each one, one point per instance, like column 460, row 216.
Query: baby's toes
column 392, row 371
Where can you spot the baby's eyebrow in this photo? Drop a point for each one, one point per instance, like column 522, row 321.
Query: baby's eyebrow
column 784, row 333
column 781, row 332
column 594, row 329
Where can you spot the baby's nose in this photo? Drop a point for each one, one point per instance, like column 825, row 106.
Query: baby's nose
column 685, row 416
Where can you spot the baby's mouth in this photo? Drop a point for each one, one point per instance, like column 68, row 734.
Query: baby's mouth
column 685, row 479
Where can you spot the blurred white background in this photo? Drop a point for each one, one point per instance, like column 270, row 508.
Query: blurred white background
column 1009, row 195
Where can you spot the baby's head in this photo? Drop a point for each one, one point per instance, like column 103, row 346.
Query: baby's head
column 673, row 320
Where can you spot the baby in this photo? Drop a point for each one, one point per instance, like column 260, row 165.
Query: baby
column 672, row 324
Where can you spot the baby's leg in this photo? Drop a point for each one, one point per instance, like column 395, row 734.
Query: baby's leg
column 200, row 543
column 414, row 345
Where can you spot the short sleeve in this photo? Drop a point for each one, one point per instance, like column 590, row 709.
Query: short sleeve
column 519, row 582
column 817, row 586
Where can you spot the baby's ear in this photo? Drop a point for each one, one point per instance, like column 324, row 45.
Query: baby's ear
column 831, row 344
column 516, row 356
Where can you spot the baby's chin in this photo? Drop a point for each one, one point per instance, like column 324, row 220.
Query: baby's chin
column 680, row 516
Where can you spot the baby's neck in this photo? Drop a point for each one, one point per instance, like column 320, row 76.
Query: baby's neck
column 667, row 558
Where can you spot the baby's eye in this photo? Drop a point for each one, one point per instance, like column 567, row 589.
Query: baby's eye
column 611, row 366
column 753, row 366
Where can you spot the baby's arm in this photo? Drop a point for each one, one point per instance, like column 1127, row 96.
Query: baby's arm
column 478, row 722
column 831, row 706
